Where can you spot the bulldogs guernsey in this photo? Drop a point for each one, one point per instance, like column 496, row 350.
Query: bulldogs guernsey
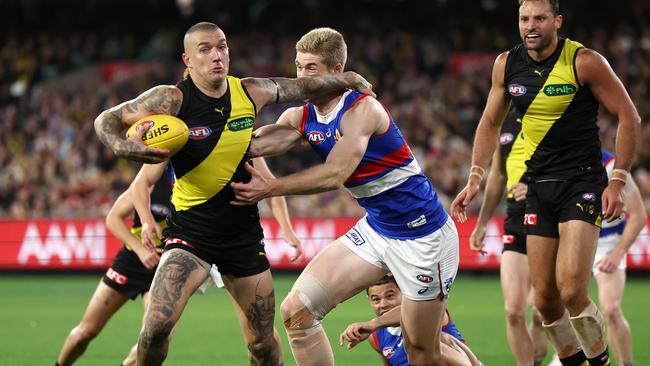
column 388, row 183
column 390, row 343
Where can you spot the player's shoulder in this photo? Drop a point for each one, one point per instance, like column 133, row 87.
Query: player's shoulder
column 292, row 116
column 366, row 104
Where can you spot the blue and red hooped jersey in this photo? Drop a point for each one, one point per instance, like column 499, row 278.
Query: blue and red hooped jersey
column 388, row 182
column 390, row 342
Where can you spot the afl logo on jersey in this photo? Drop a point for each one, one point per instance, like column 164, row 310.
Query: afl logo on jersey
column 315, row 137
column 506, row 138
column 516, row 90
column 199, row 133
column 388, row 352
column 424, row 278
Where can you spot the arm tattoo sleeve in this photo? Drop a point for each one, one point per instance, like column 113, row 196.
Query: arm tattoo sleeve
column 301, row 89
column 158, row 100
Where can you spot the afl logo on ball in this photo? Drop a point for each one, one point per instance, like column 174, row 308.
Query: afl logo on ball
column 506, row 138
column 199, row 133
column 516, row 90
column 315, row 137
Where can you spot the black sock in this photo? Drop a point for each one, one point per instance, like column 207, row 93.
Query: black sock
column 577, row 359
column 600, row 360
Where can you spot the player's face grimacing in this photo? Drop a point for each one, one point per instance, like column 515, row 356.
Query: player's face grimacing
column 384, row 297
column 309, row 64
column 207, row 55
column 538, row 25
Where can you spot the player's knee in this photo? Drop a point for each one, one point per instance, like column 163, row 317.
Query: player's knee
column 307, row 303
column 548, row 305
column 263, row 349
column 515, row 314
column 155, row 332
column 574, row 298
column 418, row 356
column 294, row 312
column 86, row 331
column 612, row 312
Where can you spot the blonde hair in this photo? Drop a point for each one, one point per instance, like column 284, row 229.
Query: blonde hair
column 324, row 42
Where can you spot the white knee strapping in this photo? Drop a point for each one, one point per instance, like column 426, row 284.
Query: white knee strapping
column 589, row 327
column 562, row 337
column 313, row 295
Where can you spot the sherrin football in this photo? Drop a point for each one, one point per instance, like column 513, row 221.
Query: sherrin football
column 163, row 131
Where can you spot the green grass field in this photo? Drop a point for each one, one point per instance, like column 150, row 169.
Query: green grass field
column 37, row 312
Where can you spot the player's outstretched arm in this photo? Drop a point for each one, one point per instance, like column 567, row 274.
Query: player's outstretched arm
column 636, row 217
column 140, row 190
column 122, row 208
column 494, row 189
column 594, row 71
column 162, row 99
column 281, row 212
column 356, row 333
column 279, row 137
column 485, row 140
column 265, row 91
column 340, row 164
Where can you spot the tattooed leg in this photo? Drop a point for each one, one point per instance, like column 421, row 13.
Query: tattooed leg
column 255, row 303
column 178, row 275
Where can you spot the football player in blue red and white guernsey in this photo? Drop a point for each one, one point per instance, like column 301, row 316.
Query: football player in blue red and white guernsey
column 406, row 230
column 616, row 238
column 384, row 332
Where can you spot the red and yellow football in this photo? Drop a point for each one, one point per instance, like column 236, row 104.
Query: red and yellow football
column 162, row 131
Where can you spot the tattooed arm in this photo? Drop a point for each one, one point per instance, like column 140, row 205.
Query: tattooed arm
column 162, row 99
column 269, row 90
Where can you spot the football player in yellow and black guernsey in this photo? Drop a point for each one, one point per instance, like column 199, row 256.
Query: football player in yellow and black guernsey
column 131, row 272
column 556, row 85
column 205, row 228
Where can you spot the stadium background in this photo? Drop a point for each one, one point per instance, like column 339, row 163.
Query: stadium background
column 63, row 62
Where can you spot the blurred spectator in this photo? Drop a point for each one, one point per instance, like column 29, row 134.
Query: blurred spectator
column 434, row 77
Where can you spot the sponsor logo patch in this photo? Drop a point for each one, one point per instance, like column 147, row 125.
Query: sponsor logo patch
column 508, row 239
column 447, row 284
column 424, row 278
column 116, row 277
column 355, row 237
column 506, row 138
column 530, row 219
column 417, row 222
column 559, row 89
column 241, row 124
column 159, row 210
column 315, row 137
column 199, row 133
column 516, row 90
column 423, row 290
column 589, row 197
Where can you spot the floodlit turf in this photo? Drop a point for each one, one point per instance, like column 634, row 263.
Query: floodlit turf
column 37, row 312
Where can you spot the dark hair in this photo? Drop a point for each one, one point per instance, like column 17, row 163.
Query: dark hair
column 382, row 281
column 555, row 5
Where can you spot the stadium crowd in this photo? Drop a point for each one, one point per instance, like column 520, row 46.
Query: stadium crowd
column 52, row 86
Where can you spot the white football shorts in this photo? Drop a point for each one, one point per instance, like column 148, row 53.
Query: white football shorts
column 605, row 245
column 424, row 268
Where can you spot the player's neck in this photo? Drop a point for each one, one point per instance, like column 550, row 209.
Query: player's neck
column 326, row 103
column 543, row 54
column 211, row 90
